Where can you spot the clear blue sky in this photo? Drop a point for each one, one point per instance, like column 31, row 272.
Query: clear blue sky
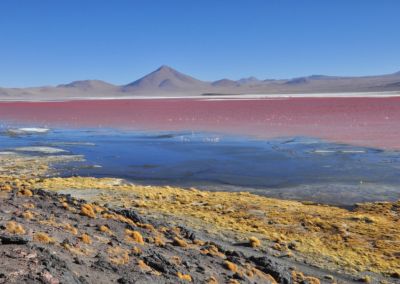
column 50, row 42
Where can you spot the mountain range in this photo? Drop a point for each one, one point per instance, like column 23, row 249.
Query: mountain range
column 165, row 81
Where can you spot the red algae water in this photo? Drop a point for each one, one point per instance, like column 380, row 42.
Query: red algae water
column 372, row 122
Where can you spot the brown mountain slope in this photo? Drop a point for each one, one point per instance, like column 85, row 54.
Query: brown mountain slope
column 165, row 81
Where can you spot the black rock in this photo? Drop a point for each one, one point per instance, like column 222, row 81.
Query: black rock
column 272, row 267
column 131, row 214
column 13, row 240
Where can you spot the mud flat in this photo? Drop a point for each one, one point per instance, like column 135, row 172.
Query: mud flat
column 86, row 230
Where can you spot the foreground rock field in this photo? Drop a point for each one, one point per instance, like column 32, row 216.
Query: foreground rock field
column 88, row 230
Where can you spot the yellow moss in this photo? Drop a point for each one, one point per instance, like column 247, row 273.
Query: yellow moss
column 71, row 229
column 87, row 210
column 97, row 208
column 43, row 238
column 136, row 251
column 76, row 249
column 65, row 205
column 179, row 242
column 5, row 187
column 134, row 236
column 299, row 277
column 176, row 260
column 158, row 241
column 199, row 242
column 185, row 277
column 143, row 265
column 28, row 215
column 254, row 242
column 212, row 280
column 212, row 250
column 147, row 226
column 25, row 192
column 85, row 238
column 28, row 205
column 118, row 255
column 230, row 266
column 105, row 229
column 366, row 279
column 118, row 217
column 15, row 228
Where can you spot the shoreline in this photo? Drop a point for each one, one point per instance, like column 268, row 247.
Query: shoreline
column 384, row 94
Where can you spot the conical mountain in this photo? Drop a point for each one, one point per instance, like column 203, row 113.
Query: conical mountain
column 165, row 78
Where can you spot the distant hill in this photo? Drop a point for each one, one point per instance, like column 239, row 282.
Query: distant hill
column 165, row 81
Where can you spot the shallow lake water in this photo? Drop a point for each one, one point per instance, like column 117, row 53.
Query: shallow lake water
column 302, row 168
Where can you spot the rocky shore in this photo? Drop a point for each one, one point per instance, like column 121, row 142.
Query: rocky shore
column 88, row 230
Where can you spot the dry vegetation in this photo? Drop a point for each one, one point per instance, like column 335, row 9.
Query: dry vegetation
column 366, row 238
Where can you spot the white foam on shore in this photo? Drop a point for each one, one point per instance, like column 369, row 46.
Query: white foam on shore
column 28, row 130
column 39, row 149
column 339, row 151
column 385, row 94
column 7, row 153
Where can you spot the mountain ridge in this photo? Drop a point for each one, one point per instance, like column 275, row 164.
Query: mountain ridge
column 166, row 81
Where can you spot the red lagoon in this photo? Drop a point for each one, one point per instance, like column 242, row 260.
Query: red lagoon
column 373, row 122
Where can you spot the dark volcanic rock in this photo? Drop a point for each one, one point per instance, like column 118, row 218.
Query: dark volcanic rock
column 13, row 240
column 270, row 266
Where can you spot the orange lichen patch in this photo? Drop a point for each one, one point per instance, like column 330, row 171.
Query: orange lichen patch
column 118, row 255
column 65, row 205
column 28, row 205
column 28, row 215
column 231, row 266
column 147, row 226
column 176, row 260
column 15, row 228
column 51, row 221
column 278, row 246
column 366, row 279
column 105, row 229
column 88, row 210
column 185, row 277
column 25, row 192
column 199, row 242
column 299, row 277
column 134, row 236
column 212, row 280
column 118, row 217
column 158, row 241
column 5, row 187
column 233, row 281
column 143, row 265
column 254, row 242
column 179, row 242
column 163, row 229
column 43, row 238
column 74, row 249
column 212, row 250
column 85, row 238
column 70, row 228
column 136, row 251
column 97, row 208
